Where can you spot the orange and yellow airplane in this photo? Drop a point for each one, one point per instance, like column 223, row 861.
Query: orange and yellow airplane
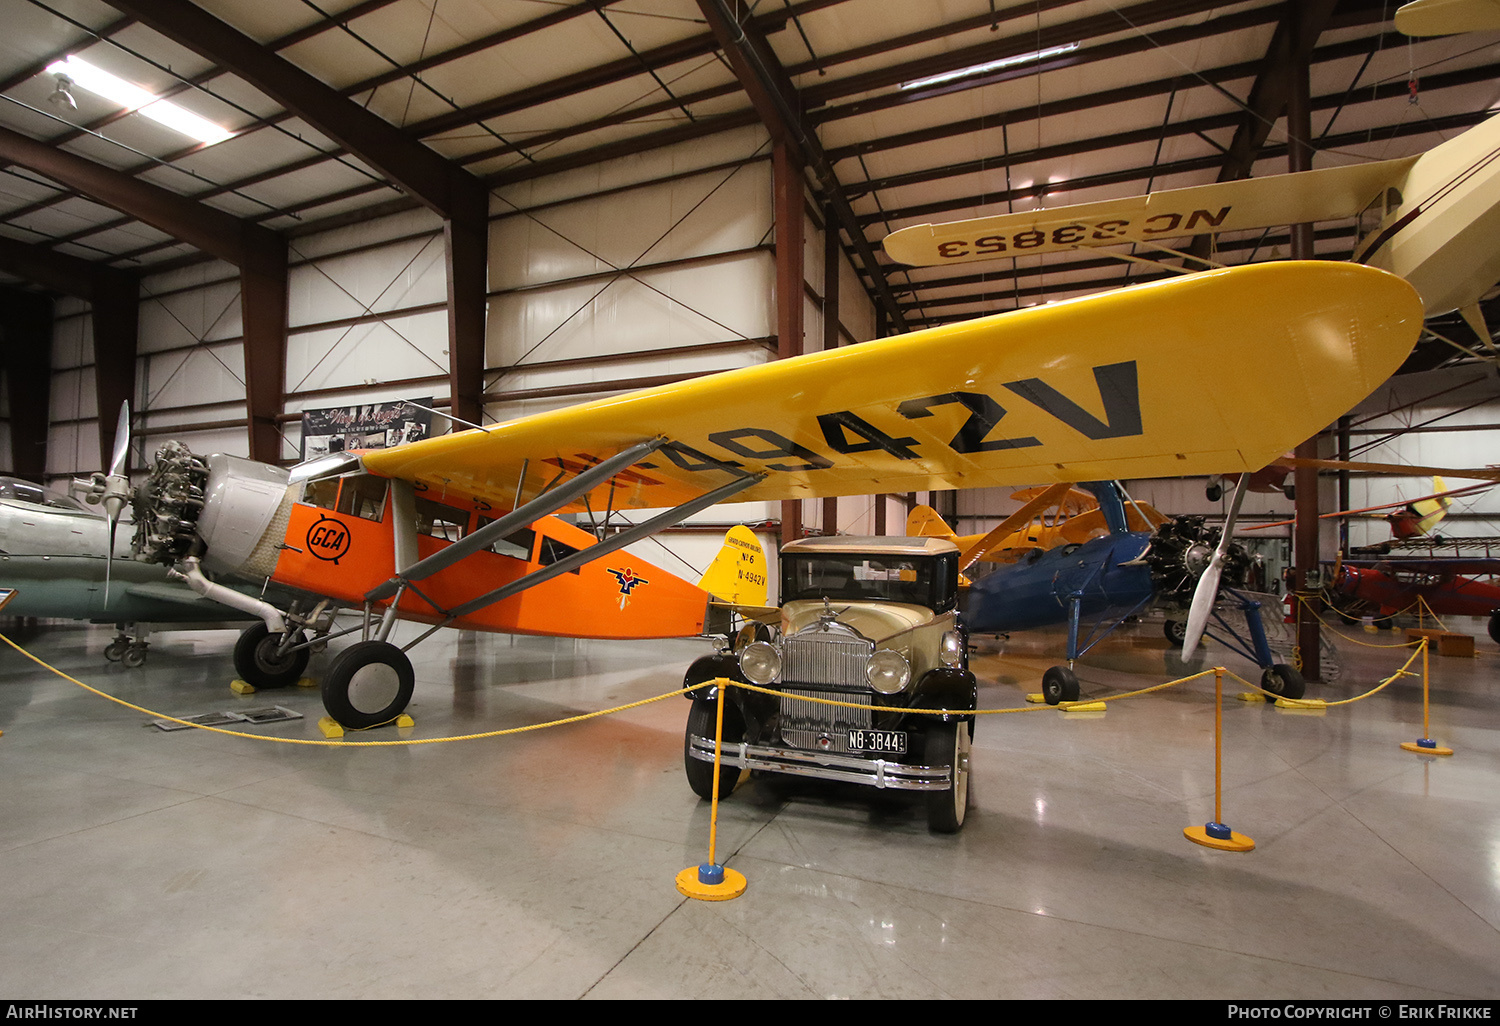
column 1141, row 382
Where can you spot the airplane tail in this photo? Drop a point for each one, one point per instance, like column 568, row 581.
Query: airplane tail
column 925, row 522
column 738, row 573
column 1431, row 511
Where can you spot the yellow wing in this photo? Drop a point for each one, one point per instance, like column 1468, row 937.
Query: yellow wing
column 1148, row 381
column 1222, row 207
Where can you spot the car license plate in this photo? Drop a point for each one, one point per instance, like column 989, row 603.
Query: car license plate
column 892, row 742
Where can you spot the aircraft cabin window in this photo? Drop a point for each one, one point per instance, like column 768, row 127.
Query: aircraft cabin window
column 553, row 550
column 516, row 545
column 363, row 496
column 438, row 521
column 322, row 493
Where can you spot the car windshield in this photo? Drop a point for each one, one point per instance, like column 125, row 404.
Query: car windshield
column 929, row 581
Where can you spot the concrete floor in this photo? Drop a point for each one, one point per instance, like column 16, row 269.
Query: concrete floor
column 142, row 864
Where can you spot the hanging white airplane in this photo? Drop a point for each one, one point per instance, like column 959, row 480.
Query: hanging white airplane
column 1433, row 219
column 1447, row 17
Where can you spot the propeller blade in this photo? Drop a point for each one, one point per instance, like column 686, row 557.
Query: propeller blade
column 109, row 559
column 122, row 441
column 1207, row 592
column 116, row 489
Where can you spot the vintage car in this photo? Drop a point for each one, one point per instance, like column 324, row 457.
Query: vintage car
column 868, row 621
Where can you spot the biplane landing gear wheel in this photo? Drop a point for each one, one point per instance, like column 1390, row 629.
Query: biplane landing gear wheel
column 948, row 743
column 1176, row 632
column 1495, row 627
column 1283, row 681
column 370, row 683
column 258, row 664
column 1059, row 684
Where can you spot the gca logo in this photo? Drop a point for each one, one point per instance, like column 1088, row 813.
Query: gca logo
column 328, row 539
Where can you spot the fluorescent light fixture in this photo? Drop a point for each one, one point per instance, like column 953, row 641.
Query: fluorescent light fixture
column 980, row 69
column 134, row 98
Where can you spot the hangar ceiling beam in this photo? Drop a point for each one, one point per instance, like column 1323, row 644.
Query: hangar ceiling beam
column 114, row 295
column 1287, row 57
column 455, row 195
column 776, row 101
column 258, row 252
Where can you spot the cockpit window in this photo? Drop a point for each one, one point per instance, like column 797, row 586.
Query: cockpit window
column 363, row 496
column 25, row 491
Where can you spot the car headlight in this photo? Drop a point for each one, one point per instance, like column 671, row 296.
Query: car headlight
column 760, row 662
column 951, row 649
column 888, row 671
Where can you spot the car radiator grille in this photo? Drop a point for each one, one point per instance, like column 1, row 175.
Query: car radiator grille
column 803, row 723
column 823, row 661
column 827, row 660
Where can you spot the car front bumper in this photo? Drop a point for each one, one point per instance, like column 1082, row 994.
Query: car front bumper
column 882, row 773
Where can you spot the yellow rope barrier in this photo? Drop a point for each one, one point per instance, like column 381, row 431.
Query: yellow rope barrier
column 354, row 744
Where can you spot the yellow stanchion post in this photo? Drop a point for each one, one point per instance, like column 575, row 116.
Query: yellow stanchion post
column 710, row 881
column 1216, row 834
column 1425, row 745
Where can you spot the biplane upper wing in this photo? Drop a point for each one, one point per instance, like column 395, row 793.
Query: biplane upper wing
column 1140, row 382
column 1222, row 207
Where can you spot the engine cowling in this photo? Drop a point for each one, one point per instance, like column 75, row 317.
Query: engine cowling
column 223, row 509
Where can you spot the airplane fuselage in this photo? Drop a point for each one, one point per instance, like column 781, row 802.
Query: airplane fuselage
column 1441, row 233
column 1038, row 591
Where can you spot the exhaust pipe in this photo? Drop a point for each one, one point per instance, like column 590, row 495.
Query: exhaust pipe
column 228, row 596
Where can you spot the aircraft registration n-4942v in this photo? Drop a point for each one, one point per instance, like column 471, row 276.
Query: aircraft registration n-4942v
column 1141, row 382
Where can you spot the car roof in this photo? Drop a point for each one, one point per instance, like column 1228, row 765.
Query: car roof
column 887, row 545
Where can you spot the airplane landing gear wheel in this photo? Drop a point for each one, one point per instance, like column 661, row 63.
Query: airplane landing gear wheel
column 948, row 743
column 134, row 656
column 1059, row 684
column 1495, row 627
column 1176, row 632
column 1283, row 681
column 370, row 683
column 257, row 662
column 115, row 650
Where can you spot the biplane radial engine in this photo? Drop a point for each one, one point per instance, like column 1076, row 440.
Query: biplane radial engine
column 1140, row 382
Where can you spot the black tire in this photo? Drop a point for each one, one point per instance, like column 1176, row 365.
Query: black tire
column 1176, row 632
column 133, row 657
column 948, row 745
column 1385, row 623
column 1290, row 491
column 1495, row 627
column 115, row 650
column 1059, row 684
column 1213, row 491
column 701, row 721
column 370, row 683
column 1283, row 681
column 256, row 662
